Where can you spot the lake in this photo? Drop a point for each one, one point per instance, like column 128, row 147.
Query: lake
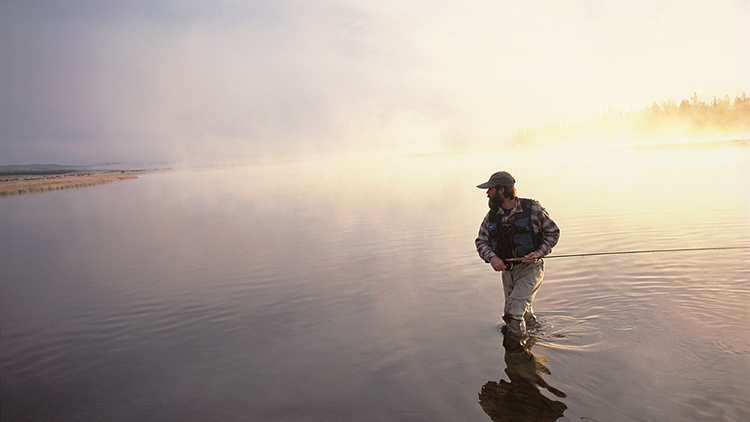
column 348, row 288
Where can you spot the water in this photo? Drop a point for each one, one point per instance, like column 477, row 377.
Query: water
column 349, row 289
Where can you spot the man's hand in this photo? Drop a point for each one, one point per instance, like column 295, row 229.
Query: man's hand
column 497, row 263
column 530, row 258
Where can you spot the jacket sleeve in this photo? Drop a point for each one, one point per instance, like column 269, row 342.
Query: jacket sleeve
column 484, row 248
column 541, row 220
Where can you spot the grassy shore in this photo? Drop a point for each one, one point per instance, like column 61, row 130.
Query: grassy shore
column 17, row 184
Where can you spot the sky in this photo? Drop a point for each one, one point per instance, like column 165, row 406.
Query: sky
column 181, row 81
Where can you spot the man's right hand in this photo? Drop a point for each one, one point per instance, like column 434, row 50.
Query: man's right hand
column 497, row 264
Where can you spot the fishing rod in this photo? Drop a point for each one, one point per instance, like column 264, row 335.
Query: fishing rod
column 634, row 252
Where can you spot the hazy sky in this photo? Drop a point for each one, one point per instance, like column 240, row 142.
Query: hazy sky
column 85, row 81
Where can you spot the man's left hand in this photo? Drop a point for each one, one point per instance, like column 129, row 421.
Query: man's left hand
column 530, row 258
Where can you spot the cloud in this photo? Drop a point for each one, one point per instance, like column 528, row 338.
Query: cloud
column 169, row 80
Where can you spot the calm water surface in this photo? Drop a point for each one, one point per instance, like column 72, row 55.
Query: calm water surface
column 349, row 289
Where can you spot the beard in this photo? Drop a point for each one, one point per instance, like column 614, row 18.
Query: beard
column 495, row 201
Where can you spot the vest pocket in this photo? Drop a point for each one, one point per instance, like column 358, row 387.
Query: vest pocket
column 524, row 244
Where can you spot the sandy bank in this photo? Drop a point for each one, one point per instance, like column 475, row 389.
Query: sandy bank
column 18, row 184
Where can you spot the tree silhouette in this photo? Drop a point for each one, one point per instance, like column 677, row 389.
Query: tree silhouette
column 693, row 116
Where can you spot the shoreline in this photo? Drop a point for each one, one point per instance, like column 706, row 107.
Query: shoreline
column 23, row 183
column 731, row 143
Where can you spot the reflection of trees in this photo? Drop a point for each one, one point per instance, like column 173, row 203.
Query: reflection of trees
column 722, row 115
column 521, row 399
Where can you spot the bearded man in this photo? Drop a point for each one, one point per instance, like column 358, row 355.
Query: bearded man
column 513, row 237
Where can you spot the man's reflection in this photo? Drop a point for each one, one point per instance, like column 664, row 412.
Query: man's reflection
column 521, row 398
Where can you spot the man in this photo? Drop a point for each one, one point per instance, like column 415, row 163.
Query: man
column 516, row 228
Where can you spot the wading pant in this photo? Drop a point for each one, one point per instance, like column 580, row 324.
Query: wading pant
column 520, row 286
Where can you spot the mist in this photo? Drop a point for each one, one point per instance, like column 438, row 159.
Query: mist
column 722, row 122
column 231, row 81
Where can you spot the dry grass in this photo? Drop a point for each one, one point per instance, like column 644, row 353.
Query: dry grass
column 26, row 183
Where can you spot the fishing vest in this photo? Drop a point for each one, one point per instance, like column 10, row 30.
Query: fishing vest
column 516, row 239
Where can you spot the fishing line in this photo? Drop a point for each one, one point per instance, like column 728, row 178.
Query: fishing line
column 636, row 252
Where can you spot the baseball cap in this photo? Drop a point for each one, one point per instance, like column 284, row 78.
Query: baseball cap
column 500, row 178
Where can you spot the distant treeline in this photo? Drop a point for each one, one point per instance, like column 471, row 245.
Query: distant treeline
column 693, row 116
column 37, row 169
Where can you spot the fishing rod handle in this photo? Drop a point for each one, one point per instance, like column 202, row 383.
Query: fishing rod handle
column 517, row 259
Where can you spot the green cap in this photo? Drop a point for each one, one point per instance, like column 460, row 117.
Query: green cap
column 500, row 178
